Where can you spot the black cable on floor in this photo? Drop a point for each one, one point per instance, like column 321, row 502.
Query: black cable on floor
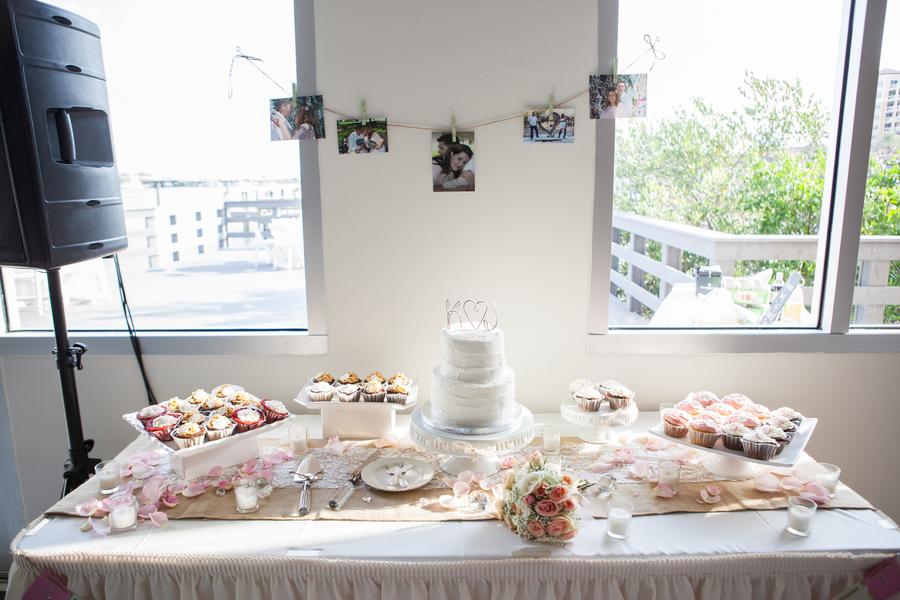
column 132, row 334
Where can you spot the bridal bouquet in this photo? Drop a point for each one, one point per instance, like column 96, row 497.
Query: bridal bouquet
column 539, row 503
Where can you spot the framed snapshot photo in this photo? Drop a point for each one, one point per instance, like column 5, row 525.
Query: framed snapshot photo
column 623, row 97
column 453, row 162
column 356, row 137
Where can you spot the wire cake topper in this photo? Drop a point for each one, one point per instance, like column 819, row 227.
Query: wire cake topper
column 476, row 325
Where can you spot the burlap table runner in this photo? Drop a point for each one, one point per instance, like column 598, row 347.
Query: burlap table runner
column 422, row 504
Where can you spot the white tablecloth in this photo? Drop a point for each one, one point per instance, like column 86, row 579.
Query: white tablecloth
column 733, row 555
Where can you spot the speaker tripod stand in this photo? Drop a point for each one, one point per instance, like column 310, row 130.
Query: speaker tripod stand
column 80, row 466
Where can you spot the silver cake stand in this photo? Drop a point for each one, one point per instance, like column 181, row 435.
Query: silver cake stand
column 598, row 423
column 476, row 452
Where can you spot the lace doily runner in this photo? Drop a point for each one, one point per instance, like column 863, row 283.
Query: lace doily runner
column 422, row 504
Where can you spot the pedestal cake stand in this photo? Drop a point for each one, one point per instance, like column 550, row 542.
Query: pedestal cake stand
column 476, row 452
column 598, row 422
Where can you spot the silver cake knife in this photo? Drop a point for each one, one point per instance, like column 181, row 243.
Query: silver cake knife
column 340, row 496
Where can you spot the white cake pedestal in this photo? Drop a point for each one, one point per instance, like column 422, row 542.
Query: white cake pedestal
column 730, row 467
column 475, row 453
column 598, row 422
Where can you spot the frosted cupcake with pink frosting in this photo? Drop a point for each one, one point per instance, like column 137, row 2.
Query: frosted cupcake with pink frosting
column 704, row 432
column 675, row 422
column 721, row 408
column 690, row 406
column 759, row 411
column 704, row 398
column 708, row 415
column 737, row 401
column 745, row 419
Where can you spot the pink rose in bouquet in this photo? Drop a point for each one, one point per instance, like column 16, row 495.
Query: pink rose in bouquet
column 536, row 529
column 546, row 508
column 558, row 527
column 558, row 493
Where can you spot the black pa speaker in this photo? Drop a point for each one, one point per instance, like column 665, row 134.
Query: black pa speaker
column 60, row 201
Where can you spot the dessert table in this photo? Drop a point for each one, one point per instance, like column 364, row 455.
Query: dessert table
column 730, row 555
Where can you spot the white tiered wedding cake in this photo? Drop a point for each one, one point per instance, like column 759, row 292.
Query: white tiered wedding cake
column 472, row 390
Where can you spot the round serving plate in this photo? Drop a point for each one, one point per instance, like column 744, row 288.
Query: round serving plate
column 376, row 474
column 598, row 422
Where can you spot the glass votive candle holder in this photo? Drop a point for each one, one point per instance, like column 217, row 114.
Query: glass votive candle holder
column 298, row 437
column 800, row 515
column 123, row 509
column 663, row 407
column 246, row 491
column 108, row 476
column 828, row 475
column 550, row 439
column 669, row 474
column 618, row 519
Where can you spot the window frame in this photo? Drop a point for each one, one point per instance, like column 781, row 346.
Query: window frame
column 204, row 343
column 862, row 30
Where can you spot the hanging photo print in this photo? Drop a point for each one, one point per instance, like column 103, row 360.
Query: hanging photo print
column 281, row 122
column 354, row 137
column 309, row 118
column 541, row 125
column 619, row 97
column 453, row 163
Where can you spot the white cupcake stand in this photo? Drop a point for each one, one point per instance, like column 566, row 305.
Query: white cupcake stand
column 478, row 453
column 599, row 422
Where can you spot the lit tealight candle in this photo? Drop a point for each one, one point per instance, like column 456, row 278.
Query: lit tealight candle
column 618, row 519
column 669, row 474
column 800, row 514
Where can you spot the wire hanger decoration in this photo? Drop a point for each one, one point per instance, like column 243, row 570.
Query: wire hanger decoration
column 657, row 54
column 250, row 60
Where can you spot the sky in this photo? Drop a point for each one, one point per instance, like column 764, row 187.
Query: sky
column 167, row 77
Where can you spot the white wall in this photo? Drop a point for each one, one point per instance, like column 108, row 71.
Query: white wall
column 395, row 251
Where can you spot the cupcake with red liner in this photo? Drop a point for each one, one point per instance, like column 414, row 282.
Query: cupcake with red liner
column 708, row 415
column 690, row 406
column 675, row 422
column 589, row 399
column 738, row 401
column 373, row 392
column 745, row 419
column 274, row 410
column 320, row 392
column 148, row 413
column 759, row 411
column 786, row 425
column 704, row 432
column 218, row 427
column 247, row 418
column 704, row 398
column 348, row 393
column 721, row 408
column 732, row 434
column 189, row 435
column 162, row 426
column 759, row 446
column 789, row 413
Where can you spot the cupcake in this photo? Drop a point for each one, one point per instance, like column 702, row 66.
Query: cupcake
column 708, row 415
column 320, row 392
column 759, row 446
column 398, row 394
column 148, row 413
column 745, row 419
column 212, row 403
column 704, row 432
column 789, row 413
column 785, row 424
column 376, row 376
column 579, row 384
column 759, row 411
column 324, row 376
column 189, row 435
column 675, row 422
column 274, row 410
column 193, row 417
column 619, row 396
column 349, row 377
column 373, row 392
column 177, row 405
column 737, row 401
column 226, row 390
column 218, row 427
column 589, row 399
column 690, row 406
column 400, row 379
column 721, row 408
column 247, row 419
column 242, row 398
column 704, row 398
column 162, row 426
column 777, row 434
column 732, row 434
column 348, row 393
column 199, row 397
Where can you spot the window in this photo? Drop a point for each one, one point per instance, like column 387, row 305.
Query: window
column 195, row 175
column 645, row 271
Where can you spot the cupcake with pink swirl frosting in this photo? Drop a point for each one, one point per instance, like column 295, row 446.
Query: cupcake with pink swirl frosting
column 745, row 419
column 708, row 415
column 759, row 411
column 704, row 432
column 704, row 398
column 721, row 408
column 690, row 406
column 738, row 401
column 675, row 422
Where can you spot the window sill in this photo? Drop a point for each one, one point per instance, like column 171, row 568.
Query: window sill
column 171, row 343
column 684, row 343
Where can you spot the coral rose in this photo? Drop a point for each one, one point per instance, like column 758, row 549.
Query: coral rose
column 559, row 493
column 558, row 527
column 567, row 504
column 536, row 529
column 570, row 535
column 529, row 499
column 546, row 508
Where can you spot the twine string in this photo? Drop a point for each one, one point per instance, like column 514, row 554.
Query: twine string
column 249, row 60
column 657, row 54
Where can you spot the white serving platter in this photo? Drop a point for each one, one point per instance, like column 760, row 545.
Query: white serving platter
column 358, row 420
column 189, row 463
column 726, row 464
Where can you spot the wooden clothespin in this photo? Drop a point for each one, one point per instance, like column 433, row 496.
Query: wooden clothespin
column 615, row 69
column 363, row 110
column 551, row 106
column 453, row 128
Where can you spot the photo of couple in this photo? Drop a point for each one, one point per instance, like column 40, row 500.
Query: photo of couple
column 556, row 127
column 356, row 137
column 619, row 97
column 304, row 120
column 452, row 162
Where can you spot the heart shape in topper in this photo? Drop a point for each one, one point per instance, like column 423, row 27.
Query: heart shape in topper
column 476, row 311
column 477, row 307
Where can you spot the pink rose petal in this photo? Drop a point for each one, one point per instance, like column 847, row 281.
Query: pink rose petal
column 194, row 489
column 169, row 500
column 159, row 519
column 766, row 482
column 224, row 484
column 147, row 510
column 600, row 467
column 268, row 474
column 803, row 476
column 656, row 444
column 815, row 492
column 102, row 526
column 215, row 472
column 508, row 462
column 88, row 508
column 639, row 469
column 465, row 476
column 663, row 491
column 713, row 490
column 388, row 440
column 485, row 484
column 461, row 488
column 707, row 498
column 447, row 501
column 791, row 484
